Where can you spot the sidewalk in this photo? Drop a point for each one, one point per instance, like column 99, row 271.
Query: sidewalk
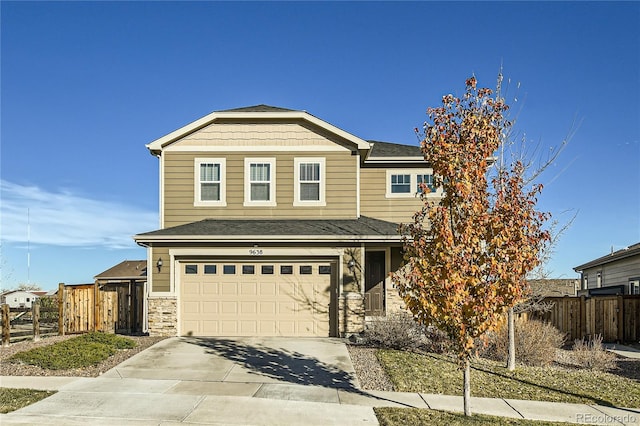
column 622, row 350
column 105, row 400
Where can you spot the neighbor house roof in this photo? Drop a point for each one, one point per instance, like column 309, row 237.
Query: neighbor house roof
column 363, row 228
column 624, row 253
column 553, row 287
column 8, row 292
column 256, row 112
column 126, row 270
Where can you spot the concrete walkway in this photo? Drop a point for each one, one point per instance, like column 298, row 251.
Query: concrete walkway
column 222, row 390
column 164, row 402
column 622, row 350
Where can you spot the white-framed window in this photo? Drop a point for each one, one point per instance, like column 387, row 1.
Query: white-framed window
column 309, row 182
column 404, row 183
column 427, row 180
column 259, row 181
column 400, row 184
column 210, row 176
column 599, row 280
column 634, row 286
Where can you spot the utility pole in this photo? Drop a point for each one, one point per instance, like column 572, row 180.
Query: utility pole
column 28, row 247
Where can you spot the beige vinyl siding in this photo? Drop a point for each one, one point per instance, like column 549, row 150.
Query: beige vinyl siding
column 373, row 202
column 179, row 187
column 160, row 281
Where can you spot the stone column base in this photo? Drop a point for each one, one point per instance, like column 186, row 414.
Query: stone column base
column 351, row 311
column 163, row 316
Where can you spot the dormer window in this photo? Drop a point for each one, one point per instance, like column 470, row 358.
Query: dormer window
column 210, row 182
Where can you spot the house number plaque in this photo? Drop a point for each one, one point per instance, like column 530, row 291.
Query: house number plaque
column 256, row 252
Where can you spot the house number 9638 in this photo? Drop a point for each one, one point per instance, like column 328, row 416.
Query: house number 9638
column 255, row 252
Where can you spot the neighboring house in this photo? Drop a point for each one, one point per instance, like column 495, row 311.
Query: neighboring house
column 19, row 298
column 126, row 282
column 615, row 273
column 554, row 287
column 133, row 272
column 275, row 222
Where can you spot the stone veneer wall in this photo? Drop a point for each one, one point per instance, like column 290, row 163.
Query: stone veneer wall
column 163, row 316
column 351, row 312
column 394, row 301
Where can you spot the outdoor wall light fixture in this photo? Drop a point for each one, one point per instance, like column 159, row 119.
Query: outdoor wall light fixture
column 351, row 265
column 159, row 264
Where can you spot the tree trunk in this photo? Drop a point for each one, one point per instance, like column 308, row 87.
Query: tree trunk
column 467, row 387
column 511, row 326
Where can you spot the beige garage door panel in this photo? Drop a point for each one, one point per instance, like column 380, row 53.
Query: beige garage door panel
column 293, row 301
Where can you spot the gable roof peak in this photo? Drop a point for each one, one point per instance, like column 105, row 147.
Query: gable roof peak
column 258, row 108
column 261, row 111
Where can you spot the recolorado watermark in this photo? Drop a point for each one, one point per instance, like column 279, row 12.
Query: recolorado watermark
column 606, row 418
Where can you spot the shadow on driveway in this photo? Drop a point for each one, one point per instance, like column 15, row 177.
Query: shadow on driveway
column 279, row 363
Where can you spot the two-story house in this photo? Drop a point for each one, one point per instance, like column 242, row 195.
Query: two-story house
column 274, row 222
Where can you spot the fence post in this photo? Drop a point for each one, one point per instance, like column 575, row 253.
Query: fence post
column 97, row 326
column 6, row 326
column 61, row 312
column 620, row 318
column 35, row 318
column 583, row 317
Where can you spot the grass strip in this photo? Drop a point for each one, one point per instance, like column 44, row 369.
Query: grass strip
column 14, row 399
column 78, row 352
column 439, row 374
column 388, row 416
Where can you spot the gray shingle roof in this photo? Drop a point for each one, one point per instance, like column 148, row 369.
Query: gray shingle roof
column 632, row 250
column 258, row 108
column 361, row 227
column 388, row 149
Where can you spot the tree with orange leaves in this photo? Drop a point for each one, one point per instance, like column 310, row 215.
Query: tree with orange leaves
column 467, row 255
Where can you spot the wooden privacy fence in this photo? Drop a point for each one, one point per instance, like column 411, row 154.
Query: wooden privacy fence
column 616, row 318
column 111, row 308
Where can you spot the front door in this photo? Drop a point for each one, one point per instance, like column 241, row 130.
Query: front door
column 374, row 283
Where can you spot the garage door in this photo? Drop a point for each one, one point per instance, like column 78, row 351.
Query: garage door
column 255, row 299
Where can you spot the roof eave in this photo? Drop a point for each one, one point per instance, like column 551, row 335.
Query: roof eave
column 141, row 239
column 378, row 160
column 607, row 259
column 137, row 278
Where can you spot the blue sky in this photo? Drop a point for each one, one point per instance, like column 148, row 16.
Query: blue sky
column 85, row 85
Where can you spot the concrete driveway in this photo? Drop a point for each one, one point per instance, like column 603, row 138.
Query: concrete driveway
column 222, row 381
column 308, row 361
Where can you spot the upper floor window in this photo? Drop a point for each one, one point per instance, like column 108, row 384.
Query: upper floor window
column 260, row 184
column 210, row 186
column 427, row 180
column 408, row 182
column 309, row 182
column 400, row 184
